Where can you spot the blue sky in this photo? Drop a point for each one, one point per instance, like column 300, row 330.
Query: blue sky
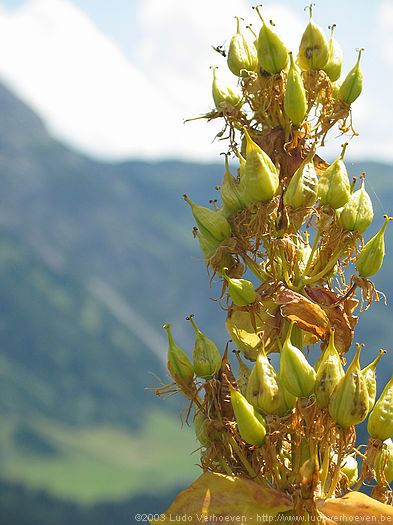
column 103, row 74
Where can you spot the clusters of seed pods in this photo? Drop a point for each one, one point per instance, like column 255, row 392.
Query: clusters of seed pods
column 287, row 246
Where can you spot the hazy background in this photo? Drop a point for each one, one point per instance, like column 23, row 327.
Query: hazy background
column 96, row 250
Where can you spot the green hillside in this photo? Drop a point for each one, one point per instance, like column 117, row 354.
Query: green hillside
column 94, row 257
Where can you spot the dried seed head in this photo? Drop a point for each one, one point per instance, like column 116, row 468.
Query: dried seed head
column 313, row 49
column 295, row 100
column 334, row 64
column 358, row 213
column 297, row 375
column 380, row 422
column 272, row 52
column 349, row 403
column 352, row 85
column 334, row 188
column 251, row 425
column 260, row 180
column 179, row 365
column 372, row 254
column 242, row 54
column 206, row 356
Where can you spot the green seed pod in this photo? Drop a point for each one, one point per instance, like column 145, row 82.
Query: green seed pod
column 358, row 213
column 297, row 375
column 241, row 291
column 349, row 402
column 350, row 469
column 263, row 389
column 329, row 374
column 335, row 61
column 251, row 425
column 313, row 49
column 352, row 85
column 242, row 54
column 206, row 356
column 380, row 422
column 208, row 247
column 371, row 380
column 230, row 193
column 243, row 375
column 200, row 424
column 223, row 95
column 260, row 180
column 372, row 254
column 179, row 365
column 383, row 465
column 295, row 100
column 213, row 226
column 272, row 52
column 334, row 188
column 303, row 187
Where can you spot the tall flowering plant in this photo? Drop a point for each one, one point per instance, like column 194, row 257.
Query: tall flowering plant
column 287, row 245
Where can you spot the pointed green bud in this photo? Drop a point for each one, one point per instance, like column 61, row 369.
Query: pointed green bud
column 383, row 465
column 353, row 83
column 241, row 291
column 223, row 95
column 212, row 225
column 206, row 356
column 348, row 404
column 329, row 374
column 334, row 188
column 303, row 187
column 380, row 422
column 295, row 100
column 230, row 193
column 371, row 379
column 243, row 375
column 251, row 425
column 358, row 213
column 260, row 180
column 350, row 469
column 297, row 375
column 263, row 389
column 372, row 254
column 335, row 61
column 313, row 49
column 242, row 54
column 272, row 52
column 208, row 246
column 179, row 365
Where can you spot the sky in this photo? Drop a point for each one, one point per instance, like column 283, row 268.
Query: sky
column 115, row 80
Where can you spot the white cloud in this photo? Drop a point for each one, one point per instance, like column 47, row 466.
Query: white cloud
column 78, row 80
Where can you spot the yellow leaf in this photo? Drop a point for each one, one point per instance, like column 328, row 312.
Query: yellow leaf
column 357, row 507
column 216, row 498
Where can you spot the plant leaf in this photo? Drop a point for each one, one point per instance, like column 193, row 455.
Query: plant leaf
column 357, row 507
column 220, row 496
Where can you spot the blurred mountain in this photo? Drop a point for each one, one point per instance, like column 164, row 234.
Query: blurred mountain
column 94, row 257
